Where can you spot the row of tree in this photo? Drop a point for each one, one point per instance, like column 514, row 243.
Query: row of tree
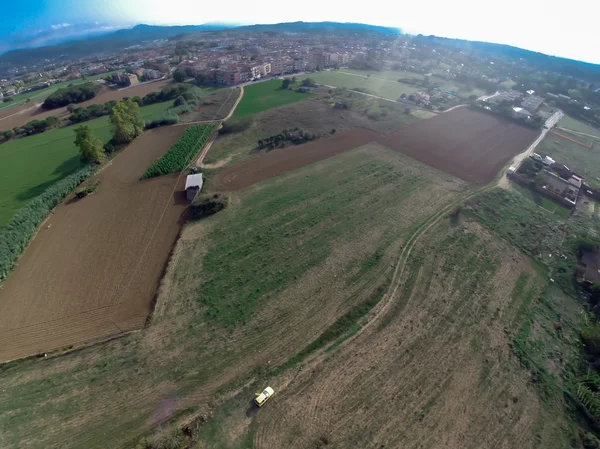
column 72, row 94
column 127, row 124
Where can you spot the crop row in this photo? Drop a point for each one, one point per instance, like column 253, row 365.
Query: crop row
column 182, row 151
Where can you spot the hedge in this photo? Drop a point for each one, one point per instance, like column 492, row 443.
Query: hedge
column 15, row 236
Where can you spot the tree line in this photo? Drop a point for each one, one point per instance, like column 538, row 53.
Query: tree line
column 72, row 94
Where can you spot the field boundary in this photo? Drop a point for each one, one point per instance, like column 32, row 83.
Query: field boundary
column 570, row 139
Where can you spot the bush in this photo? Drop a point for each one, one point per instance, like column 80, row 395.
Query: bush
column 205, row 205
column 179, row 101
column 236, row 125
column 182, row 151
column 110, row 146
column 15, row 236
column 309, row 82
column 166, row 94
column 164, row 120
column 72, row 94
column 88, row 190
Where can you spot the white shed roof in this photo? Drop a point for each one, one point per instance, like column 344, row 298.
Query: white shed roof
column 193, row 181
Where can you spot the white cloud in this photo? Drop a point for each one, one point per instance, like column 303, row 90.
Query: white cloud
column 58, row 26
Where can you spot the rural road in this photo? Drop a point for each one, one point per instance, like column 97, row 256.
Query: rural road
column 208, row 144
column 516, row 162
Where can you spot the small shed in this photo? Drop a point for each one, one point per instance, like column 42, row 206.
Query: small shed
column 193, row 185
column 304, row 89
column 340, row 105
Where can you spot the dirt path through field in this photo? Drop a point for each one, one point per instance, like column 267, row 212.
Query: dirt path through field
column 215, row 134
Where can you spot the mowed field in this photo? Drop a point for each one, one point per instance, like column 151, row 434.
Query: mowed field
column 461, row 90
column 468, row 144
column 378, row 86
column 13, row 117
column 31, row 164
column 432, row 369
column 247, row 290
column 92, row 270
column 266, row 95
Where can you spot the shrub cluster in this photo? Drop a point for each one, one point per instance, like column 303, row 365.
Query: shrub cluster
column 207, row 205
column 236, row 125
column 88, row 190
column 93, row 111
column 294, row 135
column 182, row 151
column 17, row 233
column 165, row 120
column 72, row 94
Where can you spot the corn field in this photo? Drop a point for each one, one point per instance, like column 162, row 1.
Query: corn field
column 182, row 151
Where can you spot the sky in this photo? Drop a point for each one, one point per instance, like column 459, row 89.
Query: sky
column 570, row 30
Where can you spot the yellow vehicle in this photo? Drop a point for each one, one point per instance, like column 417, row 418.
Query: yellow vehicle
column 263, row 397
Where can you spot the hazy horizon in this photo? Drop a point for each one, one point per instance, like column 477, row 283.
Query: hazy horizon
column 530, row 25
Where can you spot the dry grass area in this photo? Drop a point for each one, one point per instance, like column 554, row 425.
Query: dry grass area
column 317, row 116
column 432, row 368
column 246, row 291
column 214, row 105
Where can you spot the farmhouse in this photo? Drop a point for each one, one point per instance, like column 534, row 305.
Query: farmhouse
column 193, row 185
column 561, row 187
column 532, row 103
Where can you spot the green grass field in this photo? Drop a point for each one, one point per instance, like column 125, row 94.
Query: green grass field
column 43, row 93
column 31, row 164
column 385, row 83
column 582, row 160
column 376, row 86
column 576, row 125
column 262, row 96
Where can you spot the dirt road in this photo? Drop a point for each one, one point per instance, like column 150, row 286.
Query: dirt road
column 516, row 161
column 215, row 134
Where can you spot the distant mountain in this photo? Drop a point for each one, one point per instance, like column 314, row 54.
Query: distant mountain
column 542, row 61
column 110, row 42
column 291, row 27
column 55, row 34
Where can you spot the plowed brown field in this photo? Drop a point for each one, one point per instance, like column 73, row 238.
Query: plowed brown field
column 94, row 266
column 280, row 161
column 468, row 144
column 471, row 145
column 19, row 116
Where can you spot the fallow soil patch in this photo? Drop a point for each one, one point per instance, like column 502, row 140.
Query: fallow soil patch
column 93, row 268
column 471, row 145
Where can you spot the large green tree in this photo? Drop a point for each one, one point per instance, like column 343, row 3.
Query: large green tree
column 89, row 145
column 179, row 76
column 125, row 116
